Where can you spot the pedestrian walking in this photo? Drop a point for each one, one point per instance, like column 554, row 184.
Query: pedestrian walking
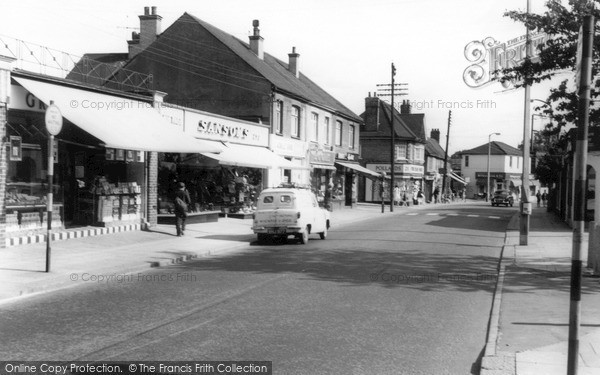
column 396, row 195
column 544, row 198
column 436, row 194
column 182, row 202
column 539, row 198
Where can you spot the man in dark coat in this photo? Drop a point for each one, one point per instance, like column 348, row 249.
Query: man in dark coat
column 182, row 202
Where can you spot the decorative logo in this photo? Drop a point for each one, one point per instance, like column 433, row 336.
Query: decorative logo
column 489, row 56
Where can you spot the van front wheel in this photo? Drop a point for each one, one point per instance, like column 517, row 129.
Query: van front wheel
column 323, row 234
column 304, row 237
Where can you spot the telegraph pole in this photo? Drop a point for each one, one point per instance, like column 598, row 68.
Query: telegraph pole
column 581, row 148
column 391, row 88
column 446, row 153
column 525, row 206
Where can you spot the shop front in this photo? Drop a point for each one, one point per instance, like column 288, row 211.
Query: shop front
column 351, row 170
column 498, row 181
column 295, row 151
column 408, row 177
column 325, row 183
column 228, row 182
column 100, row 157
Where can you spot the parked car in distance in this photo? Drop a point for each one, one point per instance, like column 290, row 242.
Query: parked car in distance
column 504, row 197
column 284, row 212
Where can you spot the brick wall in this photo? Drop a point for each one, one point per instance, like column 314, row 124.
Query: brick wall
column 375, row 150
column 152, row 188
column 3, row 171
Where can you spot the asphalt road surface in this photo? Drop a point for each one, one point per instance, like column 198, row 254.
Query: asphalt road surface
column 404, row 294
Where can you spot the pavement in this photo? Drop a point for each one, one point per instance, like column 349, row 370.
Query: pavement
column 529, row 323
column 528, row 327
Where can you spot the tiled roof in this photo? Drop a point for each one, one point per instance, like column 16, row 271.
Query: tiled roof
column 496, row 148
column 433, row 148
column 406, row 126
column 274, row 70
column 96, row 68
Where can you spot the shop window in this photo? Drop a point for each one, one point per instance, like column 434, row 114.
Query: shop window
column 295, row 121
column 211, row 187
column 338, row 133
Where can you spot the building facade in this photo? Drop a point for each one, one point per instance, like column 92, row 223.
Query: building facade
column 408, row 149
column 506, row 167
column 202, row 67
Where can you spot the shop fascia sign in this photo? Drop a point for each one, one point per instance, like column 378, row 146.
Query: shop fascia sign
column 494, row 175
column 24, row 100
column 489, row 55
column 398, row 168
column 321, row 156
column 218, row 128
column 288, row 147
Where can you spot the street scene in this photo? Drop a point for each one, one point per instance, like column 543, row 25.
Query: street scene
column 333, row 187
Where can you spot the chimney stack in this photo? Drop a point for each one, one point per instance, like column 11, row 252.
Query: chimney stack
column 371, row 113
column 405, row 107
column 150, row 28
column 435, row 134
column 294, row 64
column 256, row 41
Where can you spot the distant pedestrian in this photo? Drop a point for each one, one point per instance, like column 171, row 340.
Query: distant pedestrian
column 436, row 194
column 420, row 197
column 539, row 198
column 182, row 202
column 544, row 198
column 396, row 195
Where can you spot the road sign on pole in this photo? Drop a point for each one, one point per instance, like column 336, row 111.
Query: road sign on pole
column 54, row 122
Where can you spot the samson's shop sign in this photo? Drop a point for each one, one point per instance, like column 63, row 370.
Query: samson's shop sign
column 219, row 128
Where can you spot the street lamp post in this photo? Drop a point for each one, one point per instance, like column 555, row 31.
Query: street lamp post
column 487, row 187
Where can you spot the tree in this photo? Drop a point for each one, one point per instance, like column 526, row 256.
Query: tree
column 556, row 56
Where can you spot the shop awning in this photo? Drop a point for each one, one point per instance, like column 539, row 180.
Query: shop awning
column 118, row 122
column 456, row 177
column 360, row 169
column 249, row 156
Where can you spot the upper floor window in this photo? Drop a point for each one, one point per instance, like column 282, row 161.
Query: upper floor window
column 314, row 127
column 510, row 161
column 351, row 142
column 295, row 121
column 401, row 151
column 466, row 160
column 338, row 133
column 327, row 131
column 278, row 117
column 418, row 153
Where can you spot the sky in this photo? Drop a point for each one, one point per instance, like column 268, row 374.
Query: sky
column 345, row 46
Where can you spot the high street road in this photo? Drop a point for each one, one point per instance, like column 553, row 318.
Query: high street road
column 404, row 294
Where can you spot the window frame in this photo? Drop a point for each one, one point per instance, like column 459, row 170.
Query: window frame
column 279, row 117
column 352, row 136
column 295, row 121
column 338, row 133
column 314, row 127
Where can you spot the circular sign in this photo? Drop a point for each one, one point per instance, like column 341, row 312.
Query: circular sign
column 54, row 120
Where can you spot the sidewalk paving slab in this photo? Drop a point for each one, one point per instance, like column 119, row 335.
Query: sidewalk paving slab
column 534, row 314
